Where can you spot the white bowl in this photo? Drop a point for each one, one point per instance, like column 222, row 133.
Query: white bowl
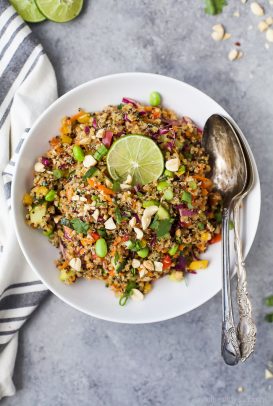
column 167, row 299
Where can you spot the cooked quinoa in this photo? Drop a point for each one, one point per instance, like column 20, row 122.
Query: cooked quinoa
column 98, row 224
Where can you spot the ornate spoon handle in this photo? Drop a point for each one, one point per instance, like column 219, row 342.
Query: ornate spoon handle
column 230, row 346
column 246, row 327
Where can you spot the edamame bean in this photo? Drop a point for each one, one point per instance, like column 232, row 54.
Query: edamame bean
column 143, row 253
column 101, row 248
column 78, row 153
column 155, row 99
column 50, row 196
column 168, row 173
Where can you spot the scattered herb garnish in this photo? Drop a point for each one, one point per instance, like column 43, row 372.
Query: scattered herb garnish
column 127, row 293
column 118, row 215
column 164, row 227
column 102, row 232
column 116, row 258
column 120, row 106
column 121, row 266
column 80, row 226
column 186, row 197
column 214, row 7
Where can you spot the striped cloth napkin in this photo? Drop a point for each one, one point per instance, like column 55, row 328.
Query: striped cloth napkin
column 27, row 87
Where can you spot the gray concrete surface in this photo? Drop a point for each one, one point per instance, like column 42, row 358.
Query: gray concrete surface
column 67, row 358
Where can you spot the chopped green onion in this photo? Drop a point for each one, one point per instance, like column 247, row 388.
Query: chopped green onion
column 150, row 203
column 168, row 194
column 58, row 173
column 193, row 185
column 186, row 197
column 168, row 173
column 90, row 173
column 201, row 226
column 100, row 152
column 120, row 106
column 173, row 250
column 162, row 185
column 127, row 292
column 181, row 170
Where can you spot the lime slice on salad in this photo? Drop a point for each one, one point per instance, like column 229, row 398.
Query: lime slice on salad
column 28, row 10
column 60, row 11
column 135, row 155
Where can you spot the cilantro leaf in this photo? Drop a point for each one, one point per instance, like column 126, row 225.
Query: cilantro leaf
column 163, row 227
column 80, row 226
column 214, row 7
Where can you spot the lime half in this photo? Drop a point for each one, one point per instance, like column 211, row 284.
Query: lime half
column 60, row 11
column 28, row 10
column 135, row 155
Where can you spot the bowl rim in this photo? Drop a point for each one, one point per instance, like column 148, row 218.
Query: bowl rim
column 33, row 128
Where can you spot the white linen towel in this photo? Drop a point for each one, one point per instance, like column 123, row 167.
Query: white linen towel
column 27, row 87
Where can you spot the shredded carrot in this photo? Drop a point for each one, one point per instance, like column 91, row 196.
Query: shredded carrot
column 206, row 183
column 63, row 265
column 105, row 189
column 106, row 192
column 87, row 241
column 82, row 251
column 69, row 193
column 148, row 108
column 76, row 116
column 54, row 141
column 215, row 239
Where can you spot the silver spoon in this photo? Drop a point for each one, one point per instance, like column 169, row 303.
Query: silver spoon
column 246, row 328
column 229, row 175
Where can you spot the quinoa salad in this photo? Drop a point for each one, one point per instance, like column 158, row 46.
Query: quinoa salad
column 125, row 195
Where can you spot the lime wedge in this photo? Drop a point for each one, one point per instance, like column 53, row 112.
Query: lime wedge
column 60, row 11
column 135, row 155
column 28, row 10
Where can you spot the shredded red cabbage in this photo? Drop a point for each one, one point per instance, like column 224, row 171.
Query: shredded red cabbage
column 107, row 138
column 126, row 118
column 87, row 129
column 46, row 161
column 95, row 124
column 127, row 100
column 163, row 131
column 181, row 263
column 66, row 234
column 170, row 145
